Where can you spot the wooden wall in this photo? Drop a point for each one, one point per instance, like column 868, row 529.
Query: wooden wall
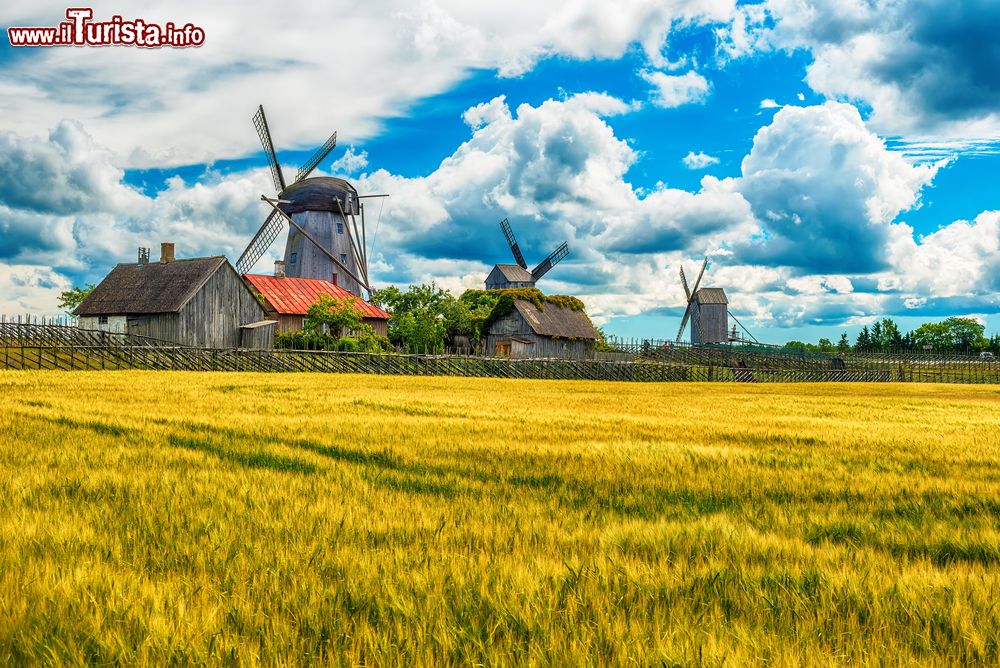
column 293, row 323
column 311, row 262
column 514, row 324
column 714, row 319
column 211, row 318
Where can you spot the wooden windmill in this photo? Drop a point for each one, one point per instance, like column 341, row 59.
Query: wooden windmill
column 517, row 275
column 325, row 217
column 707, row 309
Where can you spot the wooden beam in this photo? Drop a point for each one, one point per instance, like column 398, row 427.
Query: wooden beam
column 317, row 244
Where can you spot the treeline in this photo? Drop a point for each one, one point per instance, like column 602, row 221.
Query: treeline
column 954, row 335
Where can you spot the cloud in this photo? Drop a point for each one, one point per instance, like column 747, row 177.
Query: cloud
column 825, row 190
column 768, row 103
column 699, row 160
column 920, row 66
column 315, row 69
column 674, row 90
column 350, row 162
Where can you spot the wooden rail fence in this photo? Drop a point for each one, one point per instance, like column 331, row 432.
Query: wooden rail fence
column 39, row 346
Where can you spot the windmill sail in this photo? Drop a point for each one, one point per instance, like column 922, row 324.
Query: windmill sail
column 512, row 242
column 260, row 123
column 552, row 260
column 691, row 296
column 261, row 241
column 317, row 157
column 684, row 322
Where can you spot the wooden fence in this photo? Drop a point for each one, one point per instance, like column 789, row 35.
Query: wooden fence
column 38, row 346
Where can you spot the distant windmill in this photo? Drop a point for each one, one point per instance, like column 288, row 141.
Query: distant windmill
column 325, row 239
column 517, row 275
column 708, row 310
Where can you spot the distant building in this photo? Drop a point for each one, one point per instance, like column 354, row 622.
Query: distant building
column 710, row 316
column 506, row 276
column 553, row 331
column 200, row 302
column 287, row 300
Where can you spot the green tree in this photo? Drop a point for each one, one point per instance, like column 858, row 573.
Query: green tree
column 826, row 345
column 885, row 334
column 70, row 299
column 864, row 339
column 424, row 317
column 337, row 317
column 875, row 340
column 844, row 345
column 953, row 334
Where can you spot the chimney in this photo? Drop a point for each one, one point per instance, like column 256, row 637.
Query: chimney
column 166, row 252
column 279, row 268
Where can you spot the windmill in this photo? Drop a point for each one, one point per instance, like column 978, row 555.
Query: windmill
column 708, row 310
column 517, row 275
column 325, row 239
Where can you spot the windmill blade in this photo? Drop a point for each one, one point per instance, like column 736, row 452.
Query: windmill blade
column 552, row 260
column 512, row 242
column 260, row 123
column 698, row 282
column 684, row 322
column 684, row 282
column 261, row 241
column 317, row 157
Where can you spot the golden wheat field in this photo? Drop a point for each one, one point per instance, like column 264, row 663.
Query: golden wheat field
column 159, row 517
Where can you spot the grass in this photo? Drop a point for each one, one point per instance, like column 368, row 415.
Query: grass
column 159, row 517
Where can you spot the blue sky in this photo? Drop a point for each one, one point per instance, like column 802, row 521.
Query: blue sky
column 836, row 162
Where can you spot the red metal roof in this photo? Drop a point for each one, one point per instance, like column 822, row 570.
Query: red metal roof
column 293, row 296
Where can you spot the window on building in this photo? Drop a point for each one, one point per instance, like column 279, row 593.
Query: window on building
column 102, row 320
column 334, row 279
column 295, row 256
column 343, row 257
column 340, row 228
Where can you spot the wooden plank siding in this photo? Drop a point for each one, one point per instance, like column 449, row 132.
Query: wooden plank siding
column 709, row 323
column 293, row 323
column 513, row 325
column 211, row 318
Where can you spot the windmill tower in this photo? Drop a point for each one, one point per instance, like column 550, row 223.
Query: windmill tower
column 708, row 311
column 517, row 275
column 325, row 239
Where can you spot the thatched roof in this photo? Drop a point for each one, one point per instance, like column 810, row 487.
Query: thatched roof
column 556, row 320
column 150, row 288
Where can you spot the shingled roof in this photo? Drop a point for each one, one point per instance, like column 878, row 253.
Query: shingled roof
column 515, row 273
column 555, row 320
column 132, row 289
column 711, row 296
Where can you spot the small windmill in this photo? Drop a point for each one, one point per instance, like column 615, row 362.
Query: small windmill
column 517, row 275
column 708, row 310
column 325, row 239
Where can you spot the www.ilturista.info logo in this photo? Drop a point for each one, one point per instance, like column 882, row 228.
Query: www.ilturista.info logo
column 79, row 30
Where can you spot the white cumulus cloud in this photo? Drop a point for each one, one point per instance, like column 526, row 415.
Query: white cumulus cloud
column 674, row 90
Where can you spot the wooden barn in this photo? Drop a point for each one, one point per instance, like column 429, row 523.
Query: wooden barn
column 199, row 302
column 710, row 316
column 553, row 331
column 287, row 299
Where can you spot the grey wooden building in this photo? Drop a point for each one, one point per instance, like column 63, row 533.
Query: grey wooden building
column 710, row 316
column 506, row 276
column 198, row 302
column 553, row 331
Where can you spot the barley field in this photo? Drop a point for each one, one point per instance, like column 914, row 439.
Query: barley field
column 224, row 518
